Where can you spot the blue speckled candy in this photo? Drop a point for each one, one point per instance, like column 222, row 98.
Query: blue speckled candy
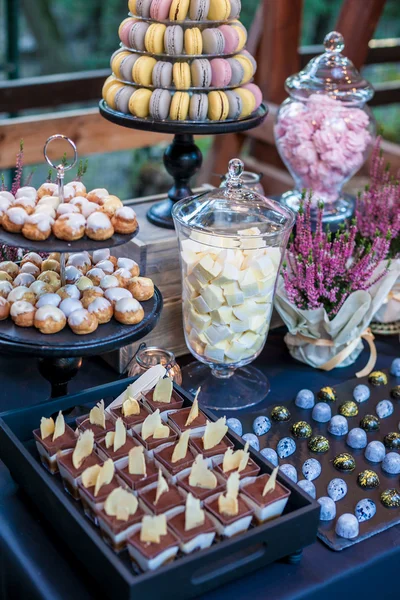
column 365, row 510
column 271, row 455
column 391, row 463
column 337, row 489
column 395, row 367
column 308, row 487
column 375, row 451
column 235, row 425
column 328, row 508
column 261, row 425
column 347, row 526
column 311, row 469
column 361, row 393
column 252, row 439
column 384, row 409
column 357, row 438
column 305, row 399
column 289, row 471
column 338, row 425
column 321, row 412
column 285, row 447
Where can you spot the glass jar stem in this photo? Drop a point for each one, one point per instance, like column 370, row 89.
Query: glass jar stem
column 222, row 372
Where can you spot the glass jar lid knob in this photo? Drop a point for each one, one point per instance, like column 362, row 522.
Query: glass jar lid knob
column 333, row 42
column 235, row 170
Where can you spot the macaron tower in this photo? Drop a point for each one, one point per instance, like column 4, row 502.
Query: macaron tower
column 183, row 60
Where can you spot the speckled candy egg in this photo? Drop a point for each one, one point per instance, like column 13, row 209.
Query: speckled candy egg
column 280, row 413
column 328, row 508
column 338, row 425
column 377, row 378
column 305, row 399
column 395, row 367
column 357, row 438
column 252, row 439
column 271, row 455
column 361, row 393
column 390, row 498
column 319, row 444
column 348, row 409
column 392, row 440
column 285, row 447
column 311, row 469
column 384, row 409
column 322, row 412
column 347, row 526
column 368, row 479
column 344, row 462
column 370, row 423
column 289, row 471
column 235, row 425
column 308, row 487
column 391, row 463
column 327, row 394
column 365, row 510
column 337, row 489
column 261, row 425
column 395, row 392
column 302, row 429
column 375, row 452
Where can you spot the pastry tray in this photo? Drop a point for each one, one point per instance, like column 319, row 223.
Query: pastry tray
column 186, row 577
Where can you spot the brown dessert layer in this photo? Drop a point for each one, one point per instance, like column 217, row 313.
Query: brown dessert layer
column 149, row 549
column 84, row 423
column 64, row 442
column 198, row 492
column 66, row 461
column 165, row 458
column 177, row 525
column 180, row 417
column 168, row 500
column 221, row 448
column 244, row 511
column 254, row 491
column 136, row 482
column 121, row 452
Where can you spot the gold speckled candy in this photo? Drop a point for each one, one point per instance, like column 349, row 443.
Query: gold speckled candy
column 392, row 440
column 344, row 462
column 280, row 413
column 390, row 498
column 368, row 479
column 301, row 429
column 370, row 423
column 395, row 392
column 318, row 443
column 348, row 409
column 377, row 378
column 327, row 394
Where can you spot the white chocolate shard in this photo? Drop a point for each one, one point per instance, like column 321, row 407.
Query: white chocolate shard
column 89, row 476
column 130, row 407
column 181, row 447
column 109, row 440
column 120, row 435
column 214, row 433
column 104, row 476
column 161, row 432
column 163, row 391
column 145, row 383
column 271, row 483
column 248, row 283
column 194, row 514
column 200, row 475
column 228, row 504
column 97, row 415
column 198, row 320
column 213, row 296
column 194, row 411
column 230, row 273
column 222, row 316
column 83, row 449
column 46, row 427
column 153, row 528
column 233, row 294
column 150, row 424
column 59, row 428
column 162, row 487
column 121, row 504
column 217, row 333
column 201, row 305
column 136, row 461
column 235, row 460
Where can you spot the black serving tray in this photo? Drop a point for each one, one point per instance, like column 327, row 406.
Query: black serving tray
column 186, row 577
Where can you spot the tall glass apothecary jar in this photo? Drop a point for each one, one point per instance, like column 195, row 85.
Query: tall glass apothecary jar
column 231, row 243
column 324, row 131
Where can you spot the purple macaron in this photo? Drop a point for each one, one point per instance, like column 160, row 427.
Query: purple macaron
column 159, row 10
column 201, row 73
column 173, row 40
column 235, row 104
column 122, row 99
column 221, row 72
column 162, row 74
column 143, row 8
column 160, row 103
column 236, row 7
column 136, row 35
column 198, row 107
column 237, row 71
column 199, row 10
column 126, row 66
column 213, row 41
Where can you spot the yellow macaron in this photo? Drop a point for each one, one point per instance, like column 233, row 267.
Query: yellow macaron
column 218, row 106
column 111, row 93
column 139, row 103
column 219, row 10
column 181, row 75
column 132, row 6
column 179, row 10
column 143, row 69
column 193, row 41
column 154, row 39
column 179, row 106
column 117, row 60
column 247, row 66
column 110, row 81
column 242, row 37
column 248, row 101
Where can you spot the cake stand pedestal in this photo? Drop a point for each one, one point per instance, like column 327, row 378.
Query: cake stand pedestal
column 182, row 158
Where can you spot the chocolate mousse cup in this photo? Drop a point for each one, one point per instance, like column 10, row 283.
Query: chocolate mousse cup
column 132, row 419
column 106, row 453
column 178, row 418
column 196, row 443
column 176, row 402
column 251, row 470
column 198, row 538
column 93, row 504
column 48, row 450
column 167, row 502
column 163, row 459
column 84, row 423
column 149, row 555
column 136, row 482
column 265, row 507
column 200, row 493
column 151, row 443
column 228, row 526
column 70, row 475
column 115, row 531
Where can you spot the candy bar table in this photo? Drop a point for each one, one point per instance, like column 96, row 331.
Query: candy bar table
column 182, row 158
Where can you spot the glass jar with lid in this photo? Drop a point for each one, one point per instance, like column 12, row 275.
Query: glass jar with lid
column 231, row 243
column 324, row 131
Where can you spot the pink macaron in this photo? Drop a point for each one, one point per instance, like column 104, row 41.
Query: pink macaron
column 255, row 90
column 221, row 72
column 124, row 31
column 231, row 38
column 159, row 9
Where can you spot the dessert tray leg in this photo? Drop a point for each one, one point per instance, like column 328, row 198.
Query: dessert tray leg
column 295, row 558
column 59, row 372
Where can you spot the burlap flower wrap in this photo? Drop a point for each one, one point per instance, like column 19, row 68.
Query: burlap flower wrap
column 326, row 344
column 389, row 312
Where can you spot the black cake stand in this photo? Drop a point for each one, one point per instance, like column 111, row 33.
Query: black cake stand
column 182, row 158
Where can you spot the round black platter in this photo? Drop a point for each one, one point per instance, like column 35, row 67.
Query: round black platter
column 52, row 244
